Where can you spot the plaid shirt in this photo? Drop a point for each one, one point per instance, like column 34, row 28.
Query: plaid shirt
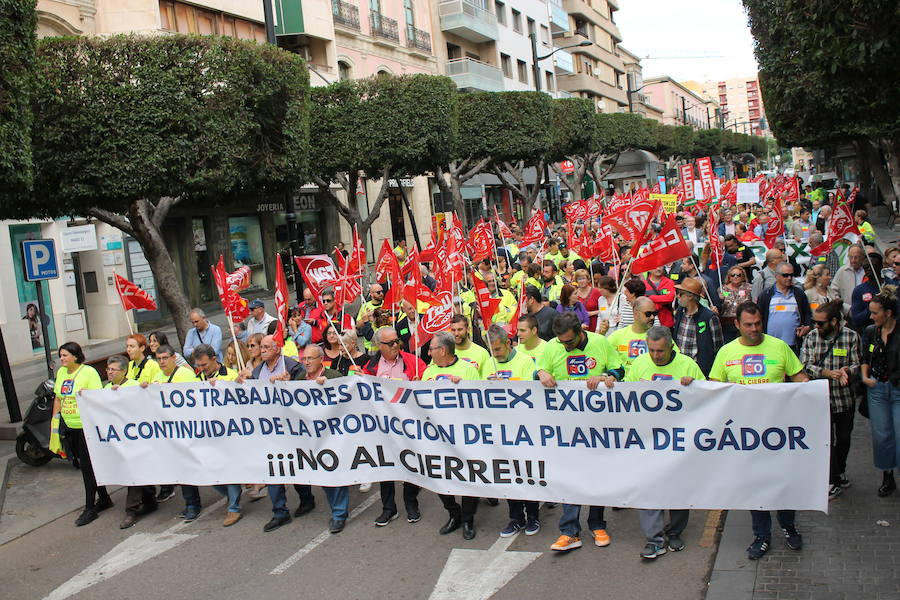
column 686, row 336
column 845, row 353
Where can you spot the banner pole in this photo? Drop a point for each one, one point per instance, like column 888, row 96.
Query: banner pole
column 122, row 302
column 237, row 348
column 703, row 281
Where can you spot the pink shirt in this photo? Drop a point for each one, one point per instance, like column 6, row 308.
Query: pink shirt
column 391, row 370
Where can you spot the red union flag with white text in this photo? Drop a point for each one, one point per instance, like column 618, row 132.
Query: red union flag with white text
column 662, row 248
column 686, row 174
column 534, row 229
column 841, row 226
column 705, row 169
column 281, row 300
column 318, row 272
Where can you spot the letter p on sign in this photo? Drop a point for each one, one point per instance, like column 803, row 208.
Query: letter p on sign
column 39, row 258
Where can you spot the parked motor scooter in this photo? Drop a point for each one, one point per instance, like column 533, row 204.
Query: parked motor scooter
column 33, row 444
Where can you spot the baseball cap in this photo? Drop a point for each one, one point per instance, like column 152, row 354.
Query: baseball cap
column 256, row 304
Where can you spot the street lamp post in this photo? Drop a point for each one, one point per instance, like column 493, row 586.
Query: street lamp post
column 536, row 74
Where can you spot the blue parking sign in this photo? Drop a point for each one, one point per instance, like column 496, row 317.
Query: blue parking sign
column 39, row 257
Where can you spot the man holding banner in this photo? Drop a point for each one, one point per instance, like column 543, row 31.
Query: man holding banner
column 445, row 365
column 578, row 354
column 754, row 358
column 662, row 362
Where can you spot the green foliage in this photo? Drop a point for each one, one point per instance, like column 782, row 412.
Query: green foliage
column 758, row 146
column 828, row 68
column 574, row 128
column 505, row 126
column 621, row 132
column 17, row 49
column 707, row 142
column 128, row 117
column 400, row 123
column 674, row 141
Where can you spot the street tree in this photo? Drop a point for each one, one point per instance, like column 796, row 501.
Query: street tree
column 17, row 51
column 126, row 128
column 825, row 70
column 378, row 128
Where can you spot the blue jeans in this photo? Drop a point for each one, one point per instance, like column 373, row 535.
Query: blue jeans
column 191, row 495
column 762, row 521
column 884, row 419
column 233, row 492
column 570, row 521
column 339, row 501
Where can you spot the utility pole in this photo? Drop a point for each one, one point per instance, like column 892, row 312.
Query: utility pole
column 684, row 110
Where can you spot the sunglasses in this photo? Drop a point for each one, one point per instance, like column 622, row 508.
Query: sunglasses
column 650, row 313
column 390, row 343
column 736, row 275
column 785, row 274
column 819, row 323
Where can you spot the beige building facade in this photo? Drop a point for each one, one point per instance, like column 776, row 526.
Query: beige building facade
column 680, row 105
column 740, row 100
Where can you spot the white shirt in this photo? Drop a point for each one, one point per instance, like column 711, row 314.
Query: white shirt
column 254, row 326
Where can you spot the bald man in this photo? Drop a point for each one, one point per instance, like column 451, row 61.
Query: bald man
column 630, row 342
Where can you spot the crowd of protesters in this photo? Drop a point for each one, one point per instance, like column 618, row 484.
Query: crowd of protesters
column 831, row 317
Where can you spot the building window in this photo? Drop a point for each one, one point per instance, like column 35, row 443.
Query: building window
column 550, row 86
column 531, row 27
column 516, row 21
column 408, row 12
column 581, row 27
column 545, row 34
column 344, row 71
column 500, row 9
column 185, row 18
column 523, row 71
column 506, row 65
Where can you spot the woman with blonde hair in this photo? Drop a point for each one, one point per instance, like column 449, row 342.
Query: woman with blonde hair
column 351, row 358
column 816, row 285
column 230, row 357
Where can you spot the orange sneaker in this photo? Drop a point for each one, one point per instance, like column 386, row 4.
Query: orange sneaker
column 601, row 538
column 566, row 542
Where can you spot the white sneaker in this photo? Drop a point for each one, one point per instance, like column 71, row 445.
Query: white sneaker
column 365, row 487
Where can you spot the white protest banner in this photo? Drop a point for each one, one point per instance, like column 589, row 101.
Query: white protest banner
column 748, row 193
column 645, row 445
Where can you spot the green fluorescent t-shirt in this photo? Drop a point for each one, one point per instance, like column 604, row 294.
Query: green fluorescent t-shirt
column 629, row 344
column 149, row 373
column 518, row 367
column 460, row 368
column 644, row 369
column 477, row 356
column 67, row 387
column 126, row 383
column 596, row 358
column 181, row 375
column 768, row 362
column 521, row 349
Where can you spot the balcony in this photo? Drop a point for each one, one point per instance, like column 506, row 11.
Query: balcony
column 559, row 18
column 563, row 62
column 583, row 9
column 468, row 21
column 383, row 27
column 345, row 14
column 611, row 28
column 418, row 39
column 583, row 82
column 471, row 74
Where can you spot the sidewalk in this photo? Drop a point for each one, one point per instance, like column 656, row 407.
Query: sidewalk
column 846, row 554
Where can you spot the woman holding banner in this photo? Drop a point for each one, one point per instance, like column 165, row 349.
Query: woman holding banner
column 72, row 377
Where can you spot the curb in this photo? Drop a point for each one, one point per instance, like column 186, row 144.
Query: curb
column 6, row 465
column 733, row 575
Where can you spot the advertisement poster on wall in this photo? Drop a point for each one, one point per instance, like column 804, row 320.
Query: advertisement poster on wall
column 27, row 291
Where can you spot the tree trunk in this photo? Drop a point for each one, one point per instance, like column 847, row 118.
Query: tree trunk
column 891, row 150
column 148, row 233
column 874, row 160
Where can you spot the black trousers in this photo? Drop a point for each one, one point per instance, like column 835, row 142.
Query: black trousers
column 139, row 498
column 466, row 513
column 522, row 510
column 91, row 490
column 841, row 430
column 410, row 496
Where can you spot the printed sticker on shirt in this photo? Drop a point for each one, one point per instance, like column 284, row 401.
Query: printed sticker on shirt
column 579, row 366
column 68, row 385
column 442, row 378
column 867, row 297
column 503, row 374
column 840, row 352
column 780, row 307
column 732, row 363
column 472, row 362
column 871, row 347
column 661, row 377
column 753, row 365
column 636, row 348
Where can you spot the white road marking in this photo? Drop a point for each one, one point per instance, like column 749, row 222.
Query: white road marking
column 131, row 552
column 479, row 574
column 319, row 539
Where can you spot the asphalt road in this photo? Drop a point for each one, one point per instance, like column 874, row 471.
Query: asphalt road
column 163, row 558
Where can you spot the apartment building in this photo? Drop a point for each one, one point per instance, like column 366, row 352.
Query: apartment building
column 741, row 103
column 680, row 105
column 638, row 101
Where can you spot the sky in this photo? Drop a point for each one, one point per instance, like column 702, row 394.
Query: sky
column 666, row 30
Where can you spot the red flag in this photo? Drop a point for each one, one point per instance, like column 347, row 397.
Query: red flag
column 704, row 167
column 534, row 229
column 411, row 266
column 841, row 225
column 436, row 318
column 655, row 189
column 604, row 246
column 133, row 296
column 503, row 230
column 775, row 229
column 318, row 272
column 716, row 252
column 481, row 241
column 594, row 206
column 487, row 306
column 665, row 247
column 576, row 211
column 281, row 301
column 520, row 308
column 387, row 268
column 234, row 305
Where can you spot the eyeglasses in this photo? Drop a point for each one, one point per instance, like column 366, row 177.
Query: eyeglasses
column 650, row 313
column 897, row 264
column 820, row 323
column 252, row 345
column 390, row 342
